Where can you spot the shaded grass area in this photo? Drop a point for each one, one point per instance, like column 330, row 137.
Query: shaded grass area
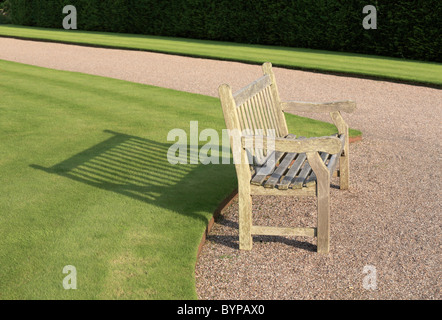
column 85, row 181
column 298, row 58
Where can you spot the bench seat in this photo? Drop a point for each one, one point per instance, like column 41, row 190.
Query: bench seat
column 290, row 170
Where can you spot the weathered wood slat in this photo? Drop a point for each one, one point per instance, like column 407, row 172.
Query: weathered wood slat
column 331, row 166
column 303, row 192
column 282, row 168
column 245, row 127
column 251, row 116
column 262, row 161
column 324, row 144
column 266, row 169
column 259, row 114
column 291, row 174
column 242, row 115
column 300, row 106
column 342, row 138
column 265, row 118
column 298, row 181
column 241, row 121
column 260, row 123
column 245, row 93
column 267, row 103
column 271, row 112
column 271, row 105
column 276, row 100
column 278, row 231
column 332, row 162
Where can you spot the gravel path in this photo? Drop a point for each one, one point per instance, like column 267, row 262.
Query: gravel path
column 389, row 220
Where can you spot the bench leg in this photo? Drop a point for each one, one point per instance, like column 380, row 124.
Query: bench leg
column 245, row 220
column 344, row 167
column 323, row 200
column 344, row 172
column 323, row 204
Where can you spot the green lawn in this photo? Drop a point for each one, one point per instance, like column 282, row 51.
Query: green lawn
column 85, row 181
column 357, row 64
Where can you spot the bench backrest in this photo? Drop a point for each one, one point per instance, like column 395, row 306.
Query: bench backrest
column 255, row 107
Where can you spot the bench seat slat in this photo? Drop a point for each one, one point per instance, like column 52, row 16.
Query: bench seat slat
column 286, row 181
column 331, row 166
column 298, row 175
column 279, row 172
column 261, row 172
column 298, row 181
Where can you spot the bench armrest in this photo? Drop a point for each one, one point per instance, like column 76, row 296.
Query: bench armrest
column 331, row 145
column 299, row 106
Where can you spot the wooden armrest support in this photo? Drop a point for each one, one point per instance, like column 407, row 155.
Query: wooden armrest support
column 299, row 106
column 329, row 145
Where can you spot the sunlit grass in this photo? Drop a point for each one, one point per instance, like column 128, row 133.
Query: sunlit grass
column 85, row 181
column 299, row 58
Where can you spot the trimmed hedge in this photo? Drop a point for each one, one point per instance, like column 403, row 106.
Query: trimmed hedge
column 406, row 29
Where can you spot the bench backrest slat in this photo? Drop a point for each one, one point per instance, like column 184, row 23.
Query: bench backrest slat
column 255, row 109
column 258, row 107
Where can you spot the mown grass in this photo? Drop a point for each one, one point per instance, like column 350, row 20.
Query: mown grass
column 298, row 58
column 85, row 181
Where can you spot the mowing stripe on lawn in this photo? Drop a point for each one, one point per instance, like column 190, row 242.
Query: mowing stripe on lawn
column 308, row 59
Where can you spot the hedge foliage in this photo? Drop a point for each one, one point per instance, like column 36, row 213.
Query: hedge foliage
column 405, row 28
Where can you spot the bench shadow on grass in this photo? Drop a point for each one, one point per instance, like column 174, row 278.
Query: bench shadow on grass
column 138, row 168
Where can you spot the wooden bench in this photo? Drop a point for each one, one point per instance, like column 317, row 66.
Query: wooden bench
column 293, row 166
